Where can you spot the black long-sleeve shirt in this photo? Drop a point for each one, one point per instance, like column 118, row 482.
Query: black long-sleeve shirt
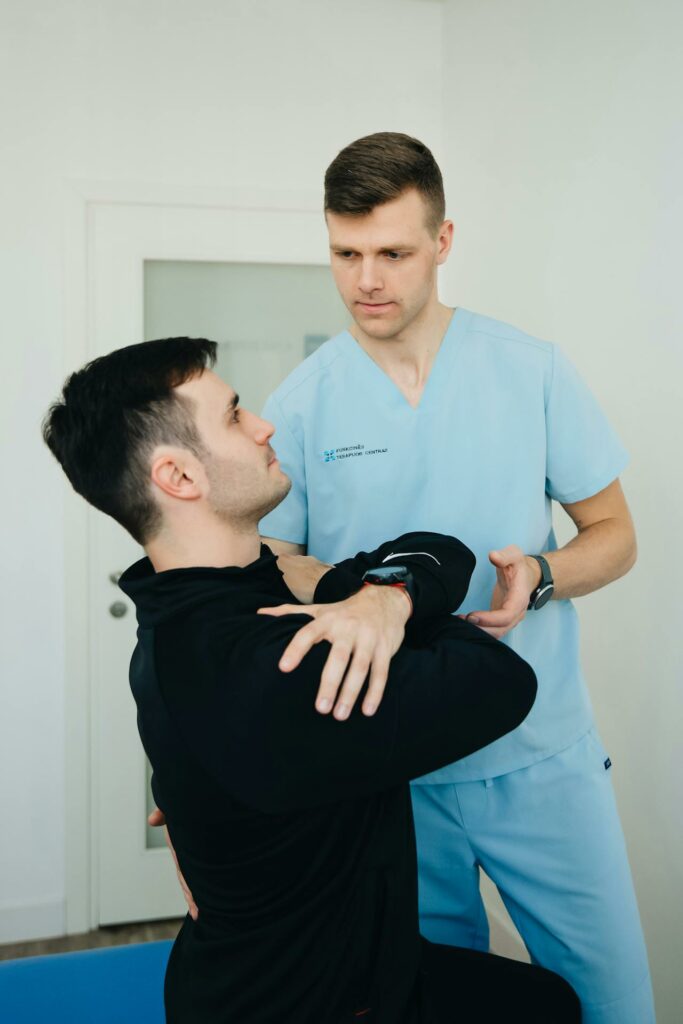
column 293, row 830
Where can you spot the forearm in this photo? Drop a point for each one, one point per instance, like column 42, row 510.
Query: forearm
column 441, row 566
column 598, row 555
column 459, row 692
column 366, row 625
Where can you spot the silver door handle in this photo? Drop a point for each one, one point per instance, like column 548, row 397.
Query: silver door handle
column 118, row 609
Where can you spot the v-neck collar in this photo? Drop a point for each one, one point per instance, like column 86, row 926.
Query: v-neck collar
column 448, row 339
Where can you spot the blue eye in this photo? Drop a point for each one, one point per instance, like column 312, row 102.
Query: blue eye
column 394, row 256
column 236, row 416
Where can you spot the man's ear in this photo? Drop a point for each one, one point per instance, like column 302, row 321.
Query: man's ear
column 444, row 241
column 178, row 474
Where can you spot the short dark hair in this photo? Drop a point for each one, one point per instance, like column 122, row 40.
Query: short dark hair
column 380, row 167
column 114, row 412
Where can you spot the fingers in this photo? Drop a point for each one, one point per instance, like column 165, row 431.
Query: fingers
column 498, row 634
column 378, row 680
column 365, row 660
column 502, row 618
column 156, row 818
column 287, row 609
column 299, row 646
column 506, row 556
column 192, row 907
column 353, row 683
column 331, row 678
column 497, row 623
column 361, row 641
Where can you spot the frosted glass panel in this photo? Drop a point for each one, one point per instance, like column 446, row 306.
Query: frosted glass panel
column 266, row 317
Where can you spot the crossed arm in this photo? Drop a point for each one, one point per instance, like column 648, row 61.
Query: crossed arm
column 366, row 630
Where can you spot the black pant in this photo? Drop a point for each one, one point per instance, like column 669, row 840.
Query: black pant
column 463, row 986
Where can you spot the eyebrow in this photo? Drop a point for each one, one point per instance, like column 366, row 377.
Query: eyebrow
column 385, row 248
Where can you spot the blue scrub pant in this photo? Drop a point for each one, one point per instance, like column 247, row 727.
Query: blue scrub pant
column 549, row 836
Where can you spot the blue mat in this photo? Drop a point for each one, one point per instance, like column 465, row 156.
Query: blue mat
column 116, row 985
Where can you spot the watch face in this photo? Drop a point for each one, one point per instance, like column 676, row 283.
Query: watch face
column 386, row 574
column 543, row 596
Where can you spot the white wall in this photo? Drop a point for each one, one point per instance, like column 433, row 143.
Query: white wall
column 221, row 93
column 564, row 160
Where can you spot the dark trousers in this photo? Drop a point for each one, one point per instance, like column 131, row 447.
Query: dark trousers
column 463, row 986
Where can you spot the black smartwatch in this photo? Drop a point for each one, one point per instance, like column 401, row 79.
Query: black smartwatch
column 392, row 576
column 544, row 591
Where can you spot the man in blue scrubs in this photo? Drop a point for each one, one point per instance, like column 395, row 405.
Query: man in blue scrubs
column 420, row 417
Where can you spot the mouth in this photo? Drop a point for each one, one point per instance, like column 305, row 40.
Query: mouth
column 272, row 458
column 375, row 308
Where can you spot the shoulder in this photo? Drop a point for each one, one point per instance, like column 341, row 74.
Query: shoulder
column 504, row 339
column 232, row 657
column 306, row 378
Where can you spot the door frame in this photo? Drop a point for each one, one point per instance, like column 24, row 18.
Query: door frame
column 81, row 783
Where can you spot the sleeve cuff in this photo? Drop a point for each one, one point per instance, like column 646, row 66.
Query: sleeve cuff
column 336, row 585
column 430, row 596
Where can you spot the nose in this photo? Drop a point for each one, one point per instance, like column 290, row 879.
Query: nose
column 370, row 279
column 263, row 430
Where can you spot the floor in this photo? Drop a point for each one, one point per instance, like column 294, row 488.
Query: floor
column 114, row 935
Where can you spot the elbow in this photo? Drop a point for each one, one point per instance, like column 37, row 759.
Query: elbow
column 629, row 557
column 529, row 690
column 632, row 554
column 629, row 550
column 521, row 687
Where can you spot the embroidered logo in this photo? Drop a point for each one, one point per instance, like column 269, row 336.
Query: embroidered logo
column 351, row 451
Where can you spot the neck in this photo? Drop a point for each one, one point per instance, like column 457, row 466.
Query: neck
column 407, row 357
column 412, row 351
column 211, row 543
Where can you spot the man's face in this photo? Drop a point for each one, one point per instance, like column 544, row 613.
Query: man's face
column 384, row 263
column 244, row 477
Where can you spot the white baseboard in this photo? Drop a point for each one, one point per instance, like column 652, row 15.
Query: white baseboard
column 32, row 921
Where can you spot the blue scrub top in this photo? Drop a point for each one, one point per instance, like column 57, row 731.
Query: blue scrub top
column 505, row 424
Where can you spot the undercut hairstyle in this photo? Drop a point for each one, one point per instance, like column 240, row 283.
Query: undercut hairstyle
column 377, row 168
column 113, row 413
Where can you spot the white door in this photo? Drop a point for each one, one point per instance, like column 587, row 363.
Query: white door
column 257, row 282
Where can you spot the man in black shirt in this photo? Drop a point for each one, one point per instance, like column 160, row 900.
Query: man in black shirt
column 293, row 830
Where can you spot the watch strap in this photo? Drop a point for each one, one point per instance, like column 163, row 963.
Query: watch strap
column 544, row 591
column 404, row 580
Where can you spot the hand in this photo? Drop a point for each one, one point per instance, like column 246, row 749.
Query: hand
column 365, row 632
column 156, row 819
column 517, row 575
column 302, row 574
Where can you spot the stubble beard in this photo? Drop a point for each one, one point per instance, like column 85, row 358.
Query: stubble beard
column 240, row 496
column 394, row 329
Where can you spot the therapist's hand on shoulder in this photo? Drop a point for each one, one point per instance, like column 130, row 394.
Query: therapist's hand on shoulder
column 516, row 576
column 364, row 631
